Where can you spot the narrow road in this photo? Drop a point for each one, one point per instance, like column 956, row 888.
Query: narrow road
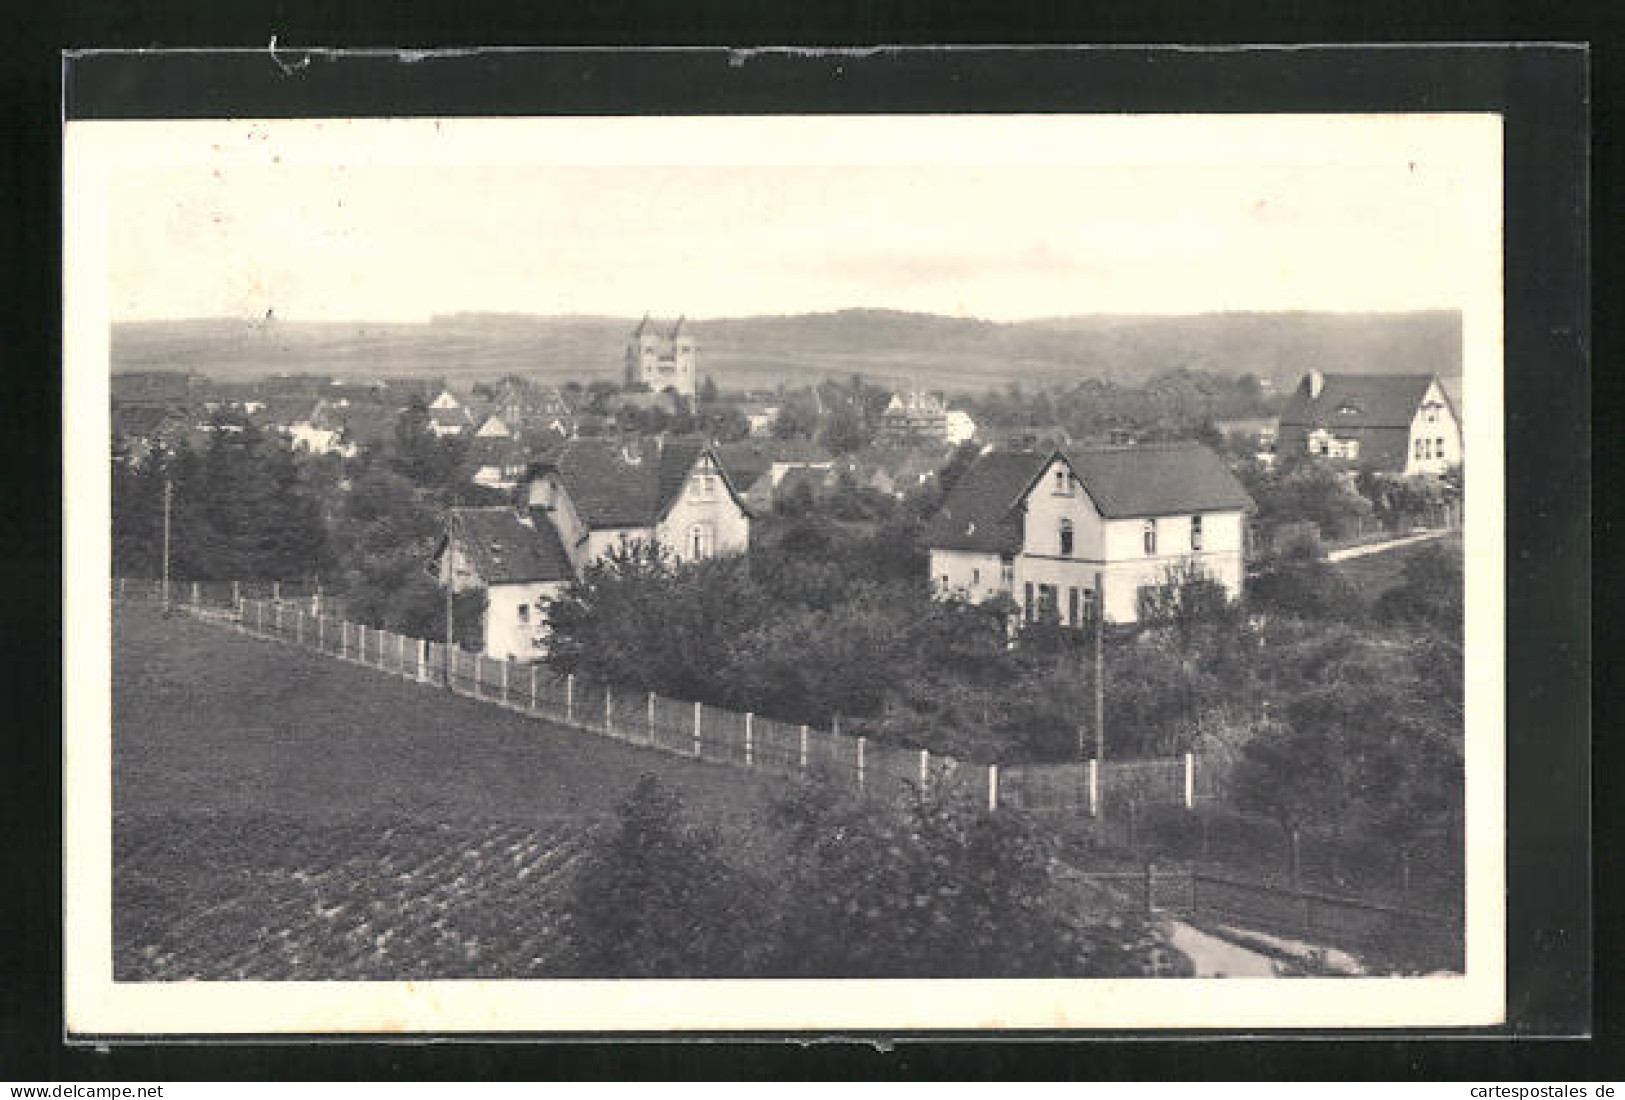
column 1213, row 957
column 1378, row 547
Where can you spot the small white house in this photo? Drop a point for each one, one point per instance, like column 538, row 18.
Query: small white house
column 517, row 558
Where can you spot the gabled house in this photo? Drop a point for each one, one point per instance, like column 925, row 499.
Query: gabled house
column 602, row 495
column 1402, row 423
column 1044, row 528
column 575, row 507
column 517, row 558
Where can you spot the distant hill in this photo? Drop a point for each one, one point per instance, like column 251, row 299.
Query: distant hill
column 758, row 352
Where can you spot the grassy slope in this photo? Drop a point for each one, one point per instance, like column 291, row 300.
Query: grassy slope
column 278, row 815
column 205, row 718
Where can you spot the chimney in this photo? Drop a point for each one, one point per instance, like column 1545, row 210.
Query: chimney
column 1317, row 382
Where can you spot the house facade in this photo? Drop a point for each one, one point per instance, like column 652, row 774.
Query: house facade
column 1066, row 534
column 519, row 560
column 1402, row 423
column 602, row 496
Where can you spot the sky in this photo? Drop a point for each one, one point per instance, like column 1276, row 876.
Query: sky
column 1369, row 225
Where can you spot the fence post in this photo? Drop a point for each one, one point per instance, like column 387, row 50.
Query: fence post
column 925, row 770
column 1150, row 887
column 750, row 741
column 298, row 627
column 532, row 687
column 697, row 707
column 992, row 787
column 803, row 748
column 195, row 598
column 504, row 681
column 570, row 697
column 400, row 652
column 121, row 588
column 279, row 620
column 1094, row 788
column 236, row 595
column 321, row 633
column 651, row 718
column 862, row 741
column 382, row 634
column 1190, row 780
column 479, row 674
column 421, row 662
column 344, row 638
column 361, row 642
column 276, row 592
column 609, row 710
column 259, row 616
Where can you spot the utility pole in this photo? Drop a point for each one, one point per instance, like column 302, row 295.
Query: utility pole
column 447, row 564
column 1100, row 669
column 169, row 492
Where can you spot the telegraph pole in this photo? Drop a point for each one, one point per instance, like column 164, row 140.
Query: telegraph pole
column 169, row 492
column 1100, row 670
column 450, row 577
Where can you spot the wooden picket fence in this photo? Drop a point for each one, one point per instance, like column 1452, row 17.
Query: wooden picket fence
column 682, row 727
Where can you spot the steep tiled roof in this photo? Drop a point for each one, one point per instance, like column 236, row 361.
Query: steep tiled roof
column 1154, row 479
column 1357, row 401
column 503, row 550
column 626, row 485
column 980, row 512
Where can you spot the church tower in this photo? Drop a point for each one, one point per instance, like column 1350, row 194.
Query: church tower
column 662, row 355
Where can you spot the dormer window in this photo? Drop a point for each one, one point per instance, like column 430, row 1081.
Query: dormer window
column 1196, row 532
column 1149, row 536
column 1063, row 484
column 1430, row 412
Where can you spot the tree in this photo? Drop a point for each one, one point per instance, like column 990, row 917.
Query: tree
column 656, row 898
column 1430, row 592
column 937, row 889
column 845, row 431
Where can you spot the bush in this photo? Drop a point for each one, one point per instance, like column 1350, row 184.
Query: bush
column 841, row 889
column 658, row 899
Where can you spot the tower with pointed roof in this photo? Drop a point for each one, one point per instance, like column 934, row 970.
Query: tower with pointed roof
column 661, row 355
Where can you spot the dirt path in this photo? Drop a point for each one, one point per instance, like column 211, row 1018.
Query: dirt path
column 1213, row 957
column 1378, row 547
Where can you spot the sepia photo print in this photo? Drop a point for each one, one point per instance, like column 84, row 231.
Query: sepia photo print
column 794, row 572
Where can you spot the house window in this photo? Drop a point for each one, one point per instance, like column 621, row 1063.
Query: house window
column 699, row 541
column 1048, row 601
column 945, row 582
column 1063, row 486
column 975, row 577
column 704, row 487
column 1196, row 532
column 1072, row 605
column 1007, row 575
column 524, row 612
column 1027, row 604
column 1438, row 448
column 1089, row 608
column 1066, row 538
column 1149, row 536
column 1432, row 414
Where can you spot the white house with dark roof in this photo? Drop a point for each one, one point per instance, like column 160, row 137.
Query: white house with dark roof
column 602, row 495
column 1060, row 533
column 518, row 559
column 1404, row 423
column 577, row 506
